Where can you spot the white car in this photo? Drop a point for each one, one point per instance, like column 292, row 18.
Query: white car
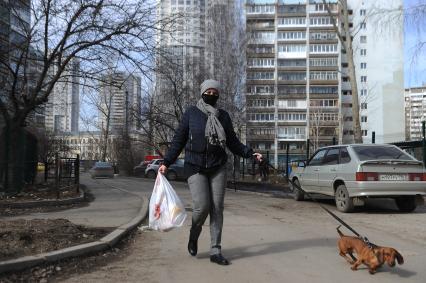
column 152, row 168
column 352, row 173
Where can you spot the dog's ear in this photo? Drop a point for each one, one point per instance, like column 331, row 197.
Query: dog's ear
column 380, row 255
column 399, row 257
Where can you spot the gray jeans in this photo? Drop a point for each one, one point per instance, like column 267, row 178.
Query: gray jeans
column 208, row 194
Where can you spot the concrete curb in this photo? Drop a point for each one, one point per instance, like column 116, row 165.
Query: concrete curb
column 44, row 203
column 106, row 242
column 270, row 194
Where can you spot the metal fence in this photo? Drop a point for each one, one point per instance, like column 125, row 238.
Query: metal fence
column 63, row 173
column 59, row 174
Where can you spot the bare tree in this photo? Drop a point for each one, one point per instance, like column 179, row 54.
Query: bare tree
column 346, row 34
column 90, row 31
column 226, row 62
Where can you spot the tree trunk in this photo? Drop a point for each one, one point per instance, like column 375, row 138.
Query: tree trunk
column 352, row 74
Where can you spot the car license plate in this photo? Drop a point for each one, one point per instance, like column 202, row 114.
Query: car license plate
column 393, row 177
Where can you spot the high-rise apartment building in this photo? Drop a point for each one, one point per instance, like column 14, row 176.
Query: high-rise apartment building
column 297, row 82
column 415, row 112
column 62, row 112
column 15, row 19
column 120, row 102
column 196, row 46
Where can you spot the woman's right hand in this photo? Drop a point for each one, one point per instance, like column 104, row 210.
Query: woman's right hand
column 162, row 169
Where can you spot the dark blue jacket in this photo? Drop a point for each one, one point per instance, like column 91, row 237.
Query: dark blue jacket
column 190, row 134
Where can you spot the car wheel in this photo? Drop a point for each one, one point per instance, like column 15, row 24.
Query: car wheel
column 406, row 203
column 343, row 202
column 171, row 175
column 298, row 194
column 151, row 174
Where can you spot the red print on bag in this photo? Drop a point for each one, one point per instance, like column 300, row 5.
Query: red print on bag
column 157, row 212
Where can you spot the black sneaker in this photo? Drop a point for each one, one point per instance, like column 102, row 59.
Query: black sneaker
column 219, row 259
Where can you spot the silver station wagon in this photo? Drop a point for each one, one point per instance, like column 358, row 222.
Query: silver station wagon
column 352, row 173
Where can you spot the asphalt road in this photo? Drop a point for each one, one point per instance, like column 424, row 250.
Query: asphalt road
column 268, row 239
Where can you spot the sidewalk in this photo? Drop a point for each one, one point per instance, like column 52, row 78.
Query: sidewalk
column 111, row 207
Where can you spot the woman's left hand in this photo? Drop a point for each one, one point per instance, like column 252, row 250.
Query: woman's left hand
column 257, row 155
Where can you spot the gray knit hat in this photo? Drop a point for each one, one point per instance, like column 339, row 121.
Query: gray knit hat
column 210, row 84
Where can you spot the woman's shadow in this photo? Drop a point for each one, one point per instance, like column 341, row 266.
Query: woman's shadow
column 285, row 246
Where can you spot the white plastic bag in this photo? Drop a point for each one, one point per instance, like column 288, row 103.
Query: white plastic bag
column 166, row 210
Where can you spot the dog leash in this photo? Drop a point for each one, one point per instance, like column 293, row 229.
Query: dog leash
column 364, row 239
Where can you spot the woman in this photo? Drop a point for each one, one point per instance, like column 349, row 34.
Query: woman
column 205, row 131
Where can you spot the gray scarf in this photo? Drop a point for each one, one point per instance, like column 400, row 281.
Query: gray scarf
column 214, row 131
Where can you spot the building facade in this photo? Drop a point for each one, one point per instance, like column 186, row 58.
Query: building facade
column 62, row 112
column 415, row 112
column 119, row 102
column 15, row 20
column 297, row 82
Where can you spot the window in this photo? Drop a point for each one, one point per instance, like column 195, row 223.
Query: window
column 323, row 89
column 261, row 49
column 363, row 79
column 264, row 35
column 364, row 119
column 363, row 52
column 291, row 89
column 260, row 62
column 323, row 36
column 363, row 65
column 379, row 152
column 292, row 48
column 261, row 9
column 260, row 116
column 323, row 62
column 364, row 133
column 292, row 63
column 292, row 22
column 292, row 103
column 260, row 75
column 261, row 103
column 323, row 102
column 296, row 76
column 292, row 35
column 291, row 117
column 317, row 158
column 363, row 105
column 362, row 12
column 324, row 75
column 363, row 25
column 363, row 92
column 320, row 21
column 323, row 48
column 332, row 157
column 363, row 39
column 344, row 155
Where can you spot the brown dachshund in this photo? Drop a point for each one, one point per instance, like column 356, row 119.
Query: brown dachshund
column 370, row 257
column 389, row 255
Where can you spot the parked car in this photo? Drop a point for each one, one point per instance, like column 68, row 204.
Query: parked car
column 352, row 173
column 175, row 171
column 139, row 170
column 102, row 169
column 152, row 168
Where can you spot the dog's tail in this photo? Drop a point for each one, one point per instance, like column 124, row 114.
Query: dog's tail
column 339, row 232
column 399, row 258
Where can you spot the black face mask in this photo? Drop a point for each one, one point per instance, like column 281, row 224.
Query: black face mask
column 210, row 99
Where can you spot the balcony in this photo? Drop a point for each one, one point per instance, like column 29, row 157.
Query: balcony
column 284, row 137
